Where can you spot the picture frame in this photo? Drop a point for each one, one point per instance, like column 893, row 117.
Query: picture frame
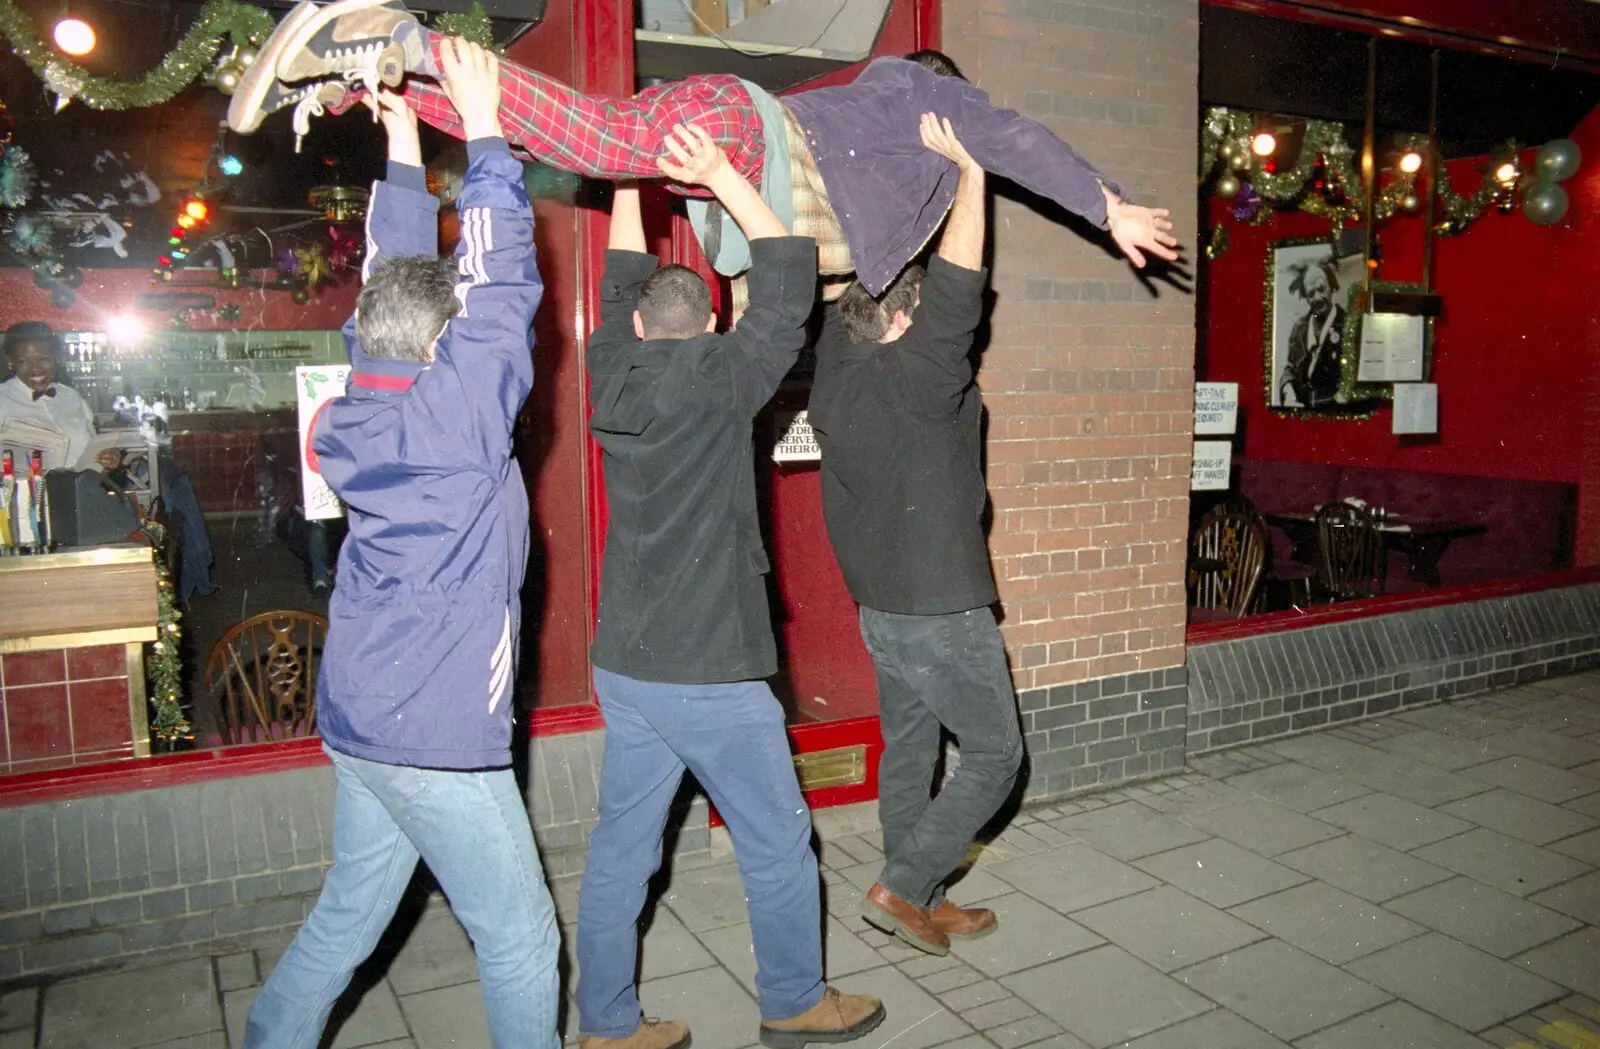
column 1309, row 330
column 1371, row 392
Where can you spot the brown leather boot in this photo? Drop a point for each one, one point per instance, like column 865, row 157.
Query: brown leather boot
column 837, row 1018
column 884, row 910
column 652, row 1034
column 967, row 923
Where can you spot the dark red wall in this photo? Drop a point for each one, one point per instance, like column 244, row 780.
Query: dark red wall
column 1511, row 352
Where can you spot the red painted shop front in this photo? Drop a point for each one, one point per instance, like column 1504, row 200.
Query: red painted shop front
column 826, row 680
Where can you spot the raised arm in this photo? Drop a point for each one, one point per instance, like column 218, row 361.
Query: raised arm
column 484, row 358
column 964, row 231
column 628, row 265
column 402, row 216
column 1031, row 155
column 748, row 363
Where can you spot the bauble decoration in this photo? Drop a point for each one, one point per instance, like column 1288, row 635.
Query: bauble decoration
column 1228, row 186
column 62, row 297
column 1557, row 160
column 1545, row 203
column 70, row 276
column 1409, row 204
column 301, row 294
column 227, row 78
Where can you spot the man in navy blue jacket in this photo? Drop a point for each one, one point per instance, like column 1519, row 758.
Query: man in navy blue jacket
column 416, row 689
column 684, row 638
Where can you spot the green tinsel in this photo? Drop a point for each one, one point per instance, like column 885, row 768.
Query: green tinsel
column 168, row 726
column 190, row 60
column 471, row 24
column 1225, row 143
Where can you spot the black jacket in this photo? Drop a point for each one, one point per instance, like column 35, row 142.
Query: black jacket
column 902, row 456
column 682, row 598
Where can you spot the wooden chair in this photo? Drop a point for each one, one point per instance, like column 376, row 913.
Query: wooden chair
column 1350, row 553
column 263, row 676
column 1228, row 557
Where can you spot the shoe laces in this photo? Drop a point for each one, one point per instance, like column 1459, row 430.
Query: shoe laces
column 358, row 64
column 308, row 107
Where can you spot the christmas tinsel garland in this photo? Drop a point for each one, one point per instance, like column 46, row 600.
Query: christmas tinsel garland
column 168, row 726
column 1225, row 142
column 193, row 58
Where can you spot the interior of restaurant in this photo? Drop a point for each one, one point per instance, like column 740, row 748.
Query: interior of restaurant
column 196, row 278
column 1339, row 490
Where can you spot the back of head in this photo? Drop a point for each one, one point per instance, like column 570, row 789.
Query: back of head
column 674, row 304
column 936, row 62
column 867, row 319
column 404, row 306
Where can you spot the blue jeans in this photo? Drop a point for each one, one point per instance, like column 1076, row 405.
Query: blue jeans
column 939, row 673
column 472, row 829
column 731, row 737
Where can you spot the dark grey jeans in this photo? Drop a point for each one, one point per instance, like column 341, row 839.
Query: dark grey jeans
column 944, row 671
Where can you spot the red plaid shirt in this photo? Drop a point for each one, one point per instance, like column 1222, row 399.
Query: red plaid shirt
column 605, row 138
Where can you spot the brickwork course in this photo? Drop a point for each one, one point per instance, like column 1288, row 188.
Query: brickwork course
column 1089, row 372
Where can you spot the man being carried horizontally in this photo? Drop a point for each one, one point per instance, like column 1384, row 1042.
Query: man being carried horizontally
column 898, row 416
column 848, row 165
column 684, row 636
column 415, row 696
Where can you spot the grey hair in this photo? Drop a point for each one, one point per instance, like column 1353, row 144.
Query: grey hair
column 405, row 305
column 867, row 319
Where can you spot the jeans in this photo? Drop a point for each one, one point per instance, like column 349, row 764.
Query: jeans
column 731, row 737
column 950, row 672
column 472, row 829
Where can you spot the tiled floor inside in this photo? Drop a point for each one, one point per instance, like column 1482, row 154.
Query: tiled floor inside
column 1424, row 881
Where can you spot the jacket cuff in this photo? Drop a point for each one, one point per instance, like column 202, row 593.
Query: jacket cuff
column 482, row 147
column 407, row 176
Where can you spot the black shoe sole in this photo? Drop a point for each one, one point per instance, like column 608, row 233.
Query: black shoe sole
column 799, row 1039
column 883, row 921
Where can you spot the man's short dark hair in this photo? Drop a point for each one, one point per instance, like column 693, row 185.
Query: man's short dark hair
column 867, row 319
column 404, row 305
column 674, row 303
column 936, row 62
column 19, row 335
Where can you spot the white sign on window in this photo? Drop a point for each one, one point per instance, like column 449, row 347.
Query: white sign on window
column 1416, row 407
column 1391, row 348
column 1216, row 407
column 1212, row 461
column 314, row 388
column 797, row 442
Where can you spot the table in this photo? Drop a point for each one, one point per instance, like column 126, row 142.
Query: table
column 1422, row 540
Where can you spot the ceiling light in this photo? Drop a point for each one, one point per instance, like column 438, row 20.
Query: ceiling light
column 1411, row 162
column 1507, row 172
column 1263, row 144
column 197, row 210
column 74, row 37
column 124, row 329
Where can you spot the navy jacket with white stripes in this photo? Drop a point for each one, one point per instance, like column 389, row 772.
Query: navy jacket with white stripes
column 424, row 619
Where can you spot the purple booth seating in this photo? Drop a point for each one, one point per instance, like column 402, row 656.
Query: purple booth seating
column 1530, row 523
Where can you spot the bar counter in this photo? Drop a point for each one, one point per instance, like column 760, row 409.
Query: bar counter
column 73, row 627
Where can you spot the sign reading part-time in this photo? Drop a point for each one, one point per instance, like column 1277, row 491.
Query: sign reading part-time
column 315, row 387
column 1216, row 407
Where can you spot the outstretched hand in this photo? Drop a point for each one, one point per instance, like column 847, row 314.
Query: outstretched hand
column 940, row 137
column 471, row 80
column 399, row 123
column 694, row 158
column 1138, row 230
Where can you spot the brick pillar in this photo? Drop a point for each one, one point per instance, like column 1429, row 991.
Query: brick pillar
column 1089, row 379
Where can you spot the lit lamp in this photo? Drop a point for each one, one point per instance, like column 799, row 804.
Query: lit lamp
column 1263, row 144
column 74, row 37
column 1411, row 162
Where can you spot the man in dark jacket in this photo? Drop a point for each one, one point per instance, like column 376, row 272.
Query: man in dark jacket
column 415, row 695
column 898, row 416
column 684, row 636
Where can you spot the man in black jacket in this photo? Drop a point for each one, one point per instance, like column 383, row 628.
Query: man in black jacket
column 898, row 416
column 684, row 636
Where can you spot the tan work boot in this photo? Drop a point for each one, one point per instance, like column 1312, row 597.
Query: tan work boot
column 965, row 923
column 837, row 1018
column 884, row 910
column 652, row 1034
